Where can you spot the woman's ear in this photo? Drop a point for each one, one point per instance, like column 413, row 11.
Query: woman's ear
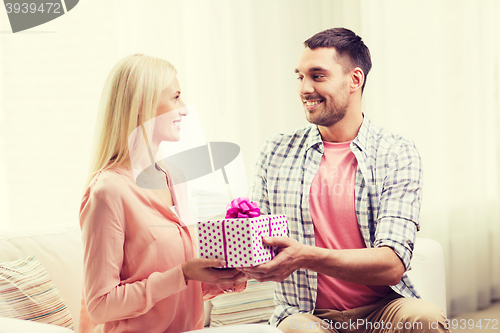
column 139, row 113
column 357, row 79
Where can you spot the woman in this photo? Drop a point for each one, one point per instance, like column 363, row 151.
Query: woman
column 140, row 270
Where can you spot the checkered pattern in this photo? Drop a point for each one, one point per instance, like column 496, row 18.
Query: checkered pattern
column 387, row 192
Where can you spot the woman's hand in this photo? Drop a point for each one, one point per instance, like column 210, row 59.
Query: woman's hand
column 201, row 269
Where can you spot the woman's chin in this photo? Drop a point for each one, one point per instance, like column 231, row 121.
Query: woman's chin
column 171, row 138
column 175, row 137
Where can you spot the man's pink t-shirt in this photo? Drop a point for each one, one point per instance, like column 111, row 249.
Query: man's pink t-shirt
column 332, row 205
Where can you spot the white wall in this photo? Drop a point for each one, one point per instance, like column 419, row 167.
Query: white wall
column 52, row 78
column 235, row 62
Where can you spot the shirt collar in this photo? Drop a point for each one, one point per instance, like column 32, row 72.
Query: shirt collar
column 314, row 139
column 361, row 140
column 364, row 134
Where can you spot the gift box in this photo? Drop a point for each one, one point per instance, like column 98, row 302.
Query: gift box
column 239, row 240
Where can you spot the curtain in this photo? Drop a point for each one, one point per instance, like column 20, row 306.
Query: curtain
column 434, row 80
column 4, row 202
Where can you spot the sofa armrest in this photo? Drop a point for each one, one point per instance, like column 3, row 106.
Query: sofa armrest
column 10, row 325
column 427, row 271
column 249, row 328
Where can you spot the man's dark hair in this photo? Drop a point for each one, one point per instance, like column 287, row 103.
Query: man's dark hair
column 347, row 44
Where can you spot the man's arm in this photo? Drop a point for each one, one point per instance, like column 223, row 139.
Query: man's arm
column 374, row 266
column 399, row 205
column 384, row 264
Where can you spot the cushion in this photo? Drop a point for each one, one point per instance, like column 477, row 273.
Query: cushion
column 59, row 248
column 28, row 293
column 254, row 304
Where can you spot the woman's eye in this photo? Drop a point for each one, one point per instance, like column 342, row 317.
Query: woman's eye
column 300, row 78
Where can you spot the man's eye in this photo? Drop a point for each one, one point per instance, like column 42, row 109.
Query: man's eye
column 318, row 76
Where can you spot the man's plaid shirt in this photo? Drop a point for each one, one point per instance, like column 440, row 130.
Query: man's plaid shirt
column 387, row 194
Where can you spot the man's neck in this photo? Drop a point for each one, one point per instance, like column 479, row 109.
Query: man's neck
column 345, row 130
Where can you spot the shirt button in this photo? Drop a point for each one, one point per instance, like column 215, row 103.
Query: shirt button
column 308, row 231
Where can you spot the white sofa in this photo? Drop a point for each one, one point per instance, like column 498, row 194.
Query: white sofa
column 59, row 249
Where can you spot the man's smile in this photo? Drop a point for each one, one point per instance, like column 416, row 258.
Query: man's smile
column 312, row 104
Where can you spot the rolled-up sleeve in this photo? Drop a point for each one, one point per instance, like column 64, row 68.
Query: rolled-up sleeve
column 399, row 209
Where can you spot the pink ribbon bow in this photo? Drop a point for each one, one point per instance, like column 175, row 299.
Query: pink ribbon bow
column 241, row 208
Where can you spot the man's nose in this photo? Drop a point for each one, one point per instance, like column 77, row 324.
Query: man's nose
column 305, row 87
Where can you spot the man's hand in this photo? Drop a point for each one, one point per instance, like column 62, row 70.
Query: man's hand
column 373, row 266
column 289, row 258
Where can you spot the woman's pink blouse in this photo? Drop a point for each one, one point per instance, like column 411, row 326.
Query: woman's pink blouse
column 134, row 246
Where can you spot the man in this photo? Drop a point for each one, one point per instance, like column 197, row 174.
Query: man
column 351, row 192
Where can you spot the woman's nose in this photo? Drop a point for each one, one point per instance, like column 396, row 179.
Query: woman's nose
column 184, row 111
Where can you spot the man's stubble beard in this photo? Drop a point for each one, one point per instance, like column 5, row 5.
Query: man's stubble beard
column 329, row 116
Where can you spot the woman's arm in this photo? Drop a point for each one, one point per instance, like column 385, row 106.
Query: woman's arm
column 103, row 239
column 107, row 299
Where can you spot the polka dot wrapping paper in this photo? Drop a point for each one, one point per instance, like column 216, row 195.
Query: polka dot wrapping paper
column 239, row 241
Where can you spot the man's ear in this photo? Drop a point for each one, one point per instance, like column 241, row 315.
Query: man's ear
column 357, row 79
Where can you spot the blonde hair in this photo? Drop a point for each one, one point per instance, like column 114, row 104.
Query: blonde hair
column 129, row 98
